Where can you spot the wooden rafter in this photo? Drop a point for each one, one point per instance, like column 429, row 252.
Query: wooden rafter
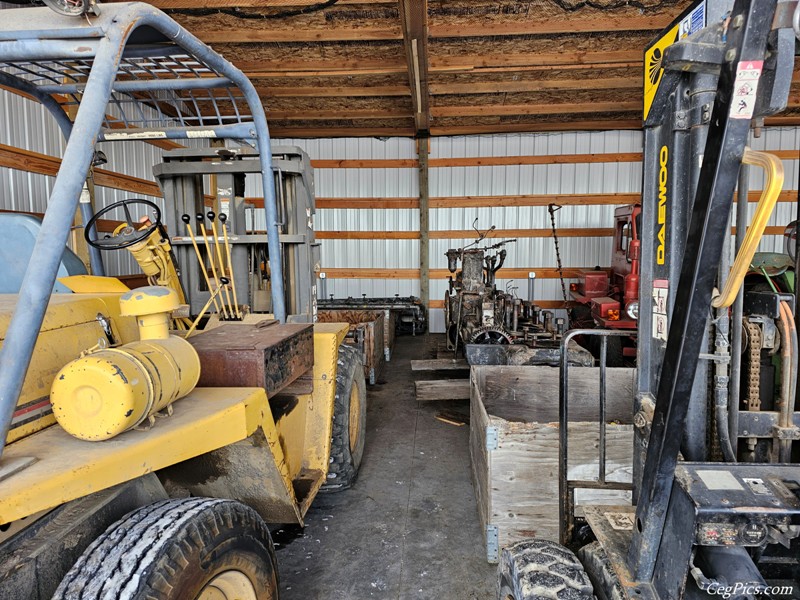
column 414, row 20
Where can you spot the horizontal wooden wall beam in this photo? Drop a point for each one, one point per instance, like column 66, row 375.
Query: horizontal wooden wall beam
column 582, row 125
column 344, row 114
column 507, row 273
column 467, row 234
column 359, row 202
column 374, row 163
column 42, row 164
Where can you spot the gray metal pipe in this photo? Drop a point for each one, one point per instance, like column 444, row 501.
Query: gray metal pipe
column 738, row 311
column 34, row 294
column 722, row 352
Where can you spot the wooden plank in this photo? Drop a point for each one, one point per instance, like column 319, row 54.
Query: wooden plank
column 414, row 24
column 508, row 273
column 363, row 202
column 517, row 393
column 367, row 235
column 333, row 91
column 479, row 456
column 566, row 232
column 500, row 87
column 440, row 364
column 523, row 471
column 256, row 69
column 375, row 163
column 481, row 110
column 589, row 125
column 546, row 60
column 194, row 4
column 547, row 159
column 289, row 35
column 338, row 114
column 445, row 389
column 321, row 132
column 542, row 25
column 42, row 164
column 371, row 273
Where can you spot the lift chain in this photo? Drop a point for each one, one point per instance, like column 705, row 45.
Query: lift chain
column 753, row 399
column 552, row 208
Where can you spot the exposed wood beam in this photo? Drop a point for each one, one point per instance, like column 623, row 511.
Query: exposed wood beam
column 590, row 125
column 314, row 68
column 191, row 4
column 288, row 35
column 575, row 23
column 482, row 110
column 338, row 114
column 321, row 132
column 372, row 163
column 575, row 83
column 550, row 60
column 414, row 21
column 333, row 91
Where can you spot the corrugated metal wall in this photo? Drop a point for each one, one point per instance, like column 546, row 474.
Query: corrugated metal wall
column 26, row 125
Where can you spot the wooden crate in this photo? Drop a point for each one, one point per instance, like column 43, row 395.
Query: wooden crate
column 514, row 440
column 367, row 332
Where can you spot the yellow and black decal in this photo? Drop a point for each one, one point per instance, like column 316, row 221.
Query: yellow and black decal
column 663, row 176
column 691, row 20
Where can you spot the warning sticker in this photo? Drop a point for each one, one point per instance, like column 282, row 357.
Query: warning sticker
column 744, row 89
column 660, row 293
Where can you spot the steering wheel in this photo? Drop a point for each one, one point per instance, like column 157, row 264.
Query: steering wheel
column 127, row 236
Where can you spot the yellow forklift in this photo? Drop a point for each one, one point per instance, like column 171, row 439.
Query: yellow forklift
column 152, row 435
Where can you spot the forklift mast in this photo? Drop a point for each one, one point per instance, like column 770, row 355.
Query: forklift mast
column 720, row 68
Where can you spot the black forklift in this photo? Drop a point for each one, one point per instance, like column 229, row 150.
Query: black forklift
column 716, row 459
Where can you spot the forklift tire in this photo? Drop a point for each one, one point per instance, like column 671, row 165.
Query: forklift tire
column 601, row 572
column 349, row 421
column 182, row 549
column 539, row 570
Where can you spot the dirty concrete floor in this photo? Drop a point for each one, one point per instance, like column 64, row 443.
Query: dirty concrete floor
column 408, row 529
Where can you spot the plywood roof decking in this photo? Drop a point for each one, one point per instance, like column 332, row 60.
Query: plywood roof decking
column 413, row 67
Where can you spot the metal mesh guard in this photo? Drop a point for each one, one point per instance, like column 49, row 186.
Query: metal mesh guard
column 150, row 91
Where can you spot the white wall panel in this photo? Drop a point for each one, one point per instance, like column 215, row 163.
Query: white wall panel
column 26, row 125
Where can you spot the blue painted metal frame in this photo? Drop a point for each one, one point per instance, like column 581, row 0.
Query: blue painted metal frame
column 39, row 34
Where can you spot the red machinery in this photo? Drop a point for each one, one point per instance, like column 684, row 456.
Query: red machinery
column 611, row 300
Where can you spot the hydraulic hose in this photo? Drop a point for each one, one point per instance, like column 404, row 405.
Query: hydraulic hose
column 788, row 379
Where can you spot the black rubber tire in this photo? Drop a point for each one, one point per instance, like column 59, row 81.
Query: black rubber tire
column 539, row 570
column 171, row 549
column 345, row 457
column 601, row 573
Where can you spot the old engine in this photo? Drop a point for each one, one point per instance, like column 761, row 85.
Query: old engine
column 476, row 312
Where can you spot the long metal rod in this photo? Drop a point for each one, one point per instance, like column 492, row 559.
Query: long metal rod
column 722, row 159
column 34, row 294
column 144, row 85
column 738, row 311
column 566, row 487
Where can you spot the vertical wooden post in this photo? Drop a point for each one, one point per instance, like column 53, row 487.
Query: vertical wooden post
column 424, row 227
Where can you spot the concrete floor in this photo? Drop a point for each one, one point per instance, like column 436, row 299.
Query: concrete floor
column 408, row 528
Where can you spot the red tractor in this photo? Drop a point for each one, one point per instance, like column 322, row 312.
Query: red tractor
column 611, row 300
